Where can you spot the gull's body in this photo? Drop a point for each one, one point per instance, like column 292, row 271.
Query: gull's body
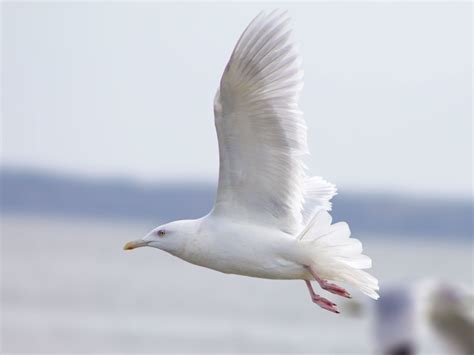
column 270, row 219
column 250, row 249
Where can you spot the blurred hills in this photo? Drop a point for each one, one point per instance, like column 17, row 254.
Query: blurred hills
column 35, row 192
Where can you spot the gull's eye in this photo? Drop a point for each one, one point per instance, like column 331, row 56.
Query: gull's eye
column 161, row 233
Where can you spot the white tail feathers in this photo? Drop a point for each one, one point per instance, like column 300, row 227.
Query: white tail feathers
column 336, row 256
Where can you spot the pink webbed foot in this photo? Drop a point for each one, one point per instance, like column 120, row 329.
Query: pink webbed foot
column 325, row 303
column 325, row 285
column 321, row 301
column 337, row 290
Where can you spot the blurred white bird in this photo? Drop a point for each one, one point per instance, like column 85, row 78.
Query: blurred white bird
column 270, row 219
column 421, row 317
column 448, row 310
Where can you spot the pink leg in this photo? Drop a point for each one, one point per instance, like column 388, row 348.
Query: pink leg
column 321, row 301
column 325, row 285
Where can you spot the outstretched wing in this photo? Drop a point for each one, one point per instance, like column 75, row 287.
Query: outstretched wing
column 261, row 131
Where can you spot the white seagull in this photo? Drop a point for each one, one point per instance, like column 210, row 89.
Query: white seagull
column 270, row 219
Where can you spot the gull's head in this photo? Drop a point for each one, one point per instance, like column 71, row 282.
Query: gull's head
column 170, row 237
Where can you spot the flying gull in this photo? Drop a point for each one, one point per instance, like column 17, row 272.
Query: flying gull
column 270, row 219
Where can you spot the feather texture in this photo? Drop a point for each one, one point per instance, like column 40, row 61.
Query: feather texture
column 337, row 256
column 261, row 131
column 318, row 194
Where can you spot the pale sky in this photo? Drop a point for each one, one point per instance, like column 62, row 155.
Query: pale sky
column 126, row 89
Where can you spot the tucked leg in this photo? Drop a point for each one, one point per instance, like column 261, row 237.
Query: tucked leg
column 321, row 301
column 325, row 285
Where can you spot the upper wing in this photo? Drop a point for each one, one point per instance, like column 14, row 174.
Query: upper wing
column 261, row 131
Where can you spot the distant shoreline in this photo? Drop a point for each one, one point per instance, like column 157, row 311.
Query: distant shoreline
column 29, row 192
